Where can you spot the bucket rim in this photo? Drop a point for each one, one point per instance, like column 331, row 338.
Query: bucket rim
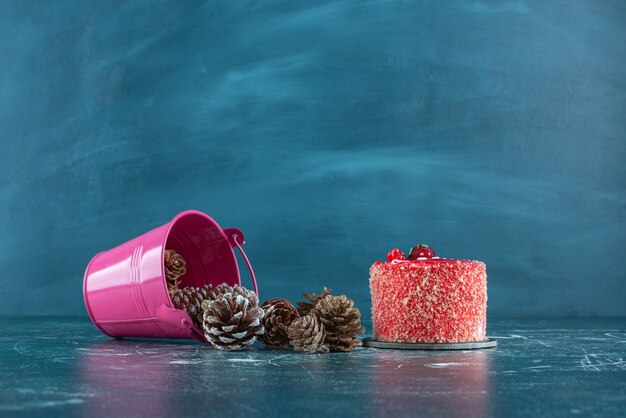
column 86, row 299
column 170, row 225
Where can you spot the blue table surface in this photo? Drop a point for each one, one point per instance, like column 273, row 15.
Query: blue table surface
column 541, row 367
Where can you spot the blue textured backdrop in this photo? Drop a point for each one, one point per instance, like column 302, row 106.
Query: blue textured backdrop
column 329, row 132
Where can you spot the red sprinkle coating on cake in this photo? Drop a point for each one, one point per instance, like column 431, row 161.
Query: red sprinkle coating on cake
column 429, row 300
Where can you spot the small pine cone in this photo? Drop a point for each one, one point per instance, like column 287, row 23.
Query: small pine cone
column 304, row 307
column 307, row 335
column 232, row 322
column 279, row 313
column 175, row 267
column 172, row 287
column 342, row 322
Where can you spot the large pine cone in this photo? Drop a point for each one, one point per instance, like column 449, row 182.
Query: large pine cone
column 342, row 322
column 175, row 267
column 232, row 322
column 279, row 313
column 304, row 307
column 307, row 335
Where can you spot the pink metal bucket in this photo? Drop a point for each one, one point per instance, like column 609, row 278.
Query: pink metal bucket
column 125, row 290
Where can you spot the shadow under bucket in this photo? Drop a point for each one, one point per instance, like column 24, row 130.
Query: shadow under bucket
column 125, row 290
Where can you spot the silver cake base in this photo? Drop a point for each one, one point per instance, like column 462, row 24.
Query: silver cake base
column 368, row 342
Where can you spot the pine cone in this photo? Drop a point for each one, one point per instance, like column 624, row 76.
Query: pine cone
column 214, row 293
column 232, row 322
column 175, row 267
column 307, row 334
column 304, row 308
column 342, row 322
column 210, row 293
column 240, row 290
column 190, row 301
column 194, row 300
column 279, row 313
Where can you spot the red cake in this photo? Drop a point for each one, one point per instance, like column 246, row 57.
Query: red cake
column 428, row 299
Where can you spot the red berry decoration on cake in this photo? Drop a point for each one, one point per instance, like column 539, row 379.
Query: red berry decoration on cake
column 421, row 251
column 427, row 299
column 395, row 254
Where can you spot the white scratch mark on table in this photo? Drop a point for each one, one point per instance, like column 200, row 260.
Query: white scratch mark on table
column 587, row 365
column 308, row 371
column 271, row 361
column 245, row 360
column 185, row 361
column 40, row 404
column 544, row 344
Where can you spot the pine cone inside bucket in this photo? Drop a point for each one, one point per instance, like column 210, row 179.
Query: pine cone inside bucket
column 279, row 313
column 194, row 300
column 307, row 335
column 175, row 267
column 232, row 322
column 209, row 293
column 342, row 322
column 304, row 307
column 190, row 301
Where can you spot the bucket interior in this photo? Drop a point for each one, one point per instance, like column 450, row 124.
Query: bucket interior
column 207, row 252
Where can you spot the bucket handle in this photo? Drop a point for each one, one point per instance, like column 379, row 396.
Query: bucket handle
column 179, row 320
column 235, row 237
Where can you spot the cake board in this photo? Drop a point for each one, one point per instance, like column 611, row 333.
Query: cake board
column 473, row 345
